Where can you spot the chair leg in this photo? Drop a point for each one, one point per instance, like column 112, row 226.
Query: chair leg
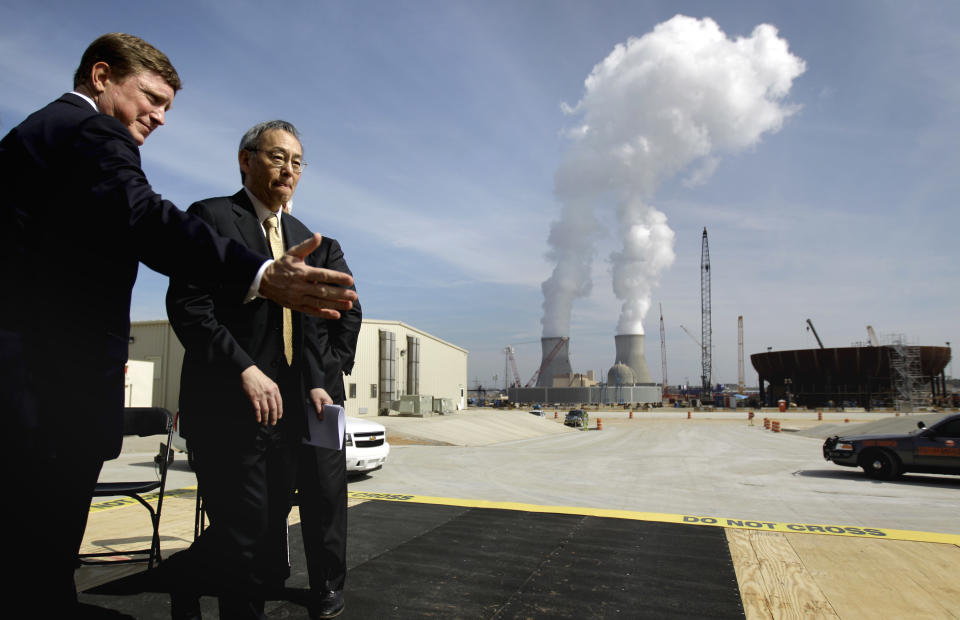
column 199, row 520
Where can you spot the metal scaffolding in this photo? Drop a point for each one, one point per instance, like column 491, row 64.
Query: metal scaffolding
column 906, row 376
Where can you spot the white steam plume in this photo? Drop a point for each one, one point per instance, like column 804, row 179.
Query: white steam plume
column 571, row 244
column 672, row 101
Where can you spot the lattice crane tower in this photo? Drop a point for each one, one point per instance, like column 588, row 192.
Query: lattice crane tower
column 740, row 378
column 706, row 330
column 663, row 351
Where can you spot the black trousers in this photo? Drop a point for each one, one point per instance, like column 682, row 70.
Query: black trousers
column 322, row 488
column 44, row 528
column 246, row 486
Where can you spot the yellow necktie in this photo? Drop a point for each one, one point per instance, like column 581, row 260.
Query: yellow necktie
column 276, row 247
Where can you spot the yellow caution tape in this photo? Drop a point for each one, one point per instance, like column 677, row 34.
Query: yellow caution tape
column 875, row 533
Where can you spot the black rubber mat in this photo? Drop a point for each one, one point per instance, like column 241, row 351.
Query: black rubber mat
column 419, row 560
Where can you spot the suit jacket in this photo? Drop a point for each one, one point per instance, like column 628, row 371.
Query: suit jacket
column 223, row 336
column 337, row 338
column 76, row 216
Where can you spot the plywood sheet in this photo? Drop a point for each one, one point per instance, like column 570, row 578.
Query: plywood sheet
column 883, row 578
column 774, row 583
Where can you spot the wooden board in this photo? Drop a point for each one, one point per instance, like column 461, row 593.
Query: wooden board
column 809, row 576
column 883, row 578
column 774, row 583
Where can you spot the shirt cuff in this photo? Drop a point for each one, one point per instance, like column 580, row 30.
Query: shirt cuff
column 254, row 291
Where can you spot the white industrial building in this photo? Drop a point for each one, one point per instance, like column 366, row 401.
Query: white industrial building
column 397, row 367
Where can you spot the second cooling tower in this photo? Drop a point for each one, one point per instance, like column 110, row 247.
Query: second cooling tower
column 630, row 353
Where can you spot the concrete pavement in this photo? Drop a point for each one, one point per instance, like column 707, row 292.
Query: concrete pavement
column 662, row 466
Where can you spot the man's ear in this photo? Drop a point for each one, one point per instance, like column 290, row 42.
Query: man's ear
column 243, row 157
column 100, row 74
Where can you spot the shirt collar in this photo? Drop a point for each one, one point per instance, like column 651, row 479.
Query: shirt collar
column 262, row 211
column 85, row 98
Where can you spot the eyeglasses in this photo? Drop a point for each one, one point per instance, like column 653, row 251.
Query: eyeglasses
column 279, row 158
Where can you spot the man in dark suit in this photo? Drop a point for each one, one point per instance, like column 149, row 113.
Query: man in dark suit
column 237, row 356
column 77, row 215
column 322, row 472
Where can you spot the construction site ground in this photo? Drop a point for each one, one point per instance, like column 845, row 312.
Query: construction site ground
column 500, row 513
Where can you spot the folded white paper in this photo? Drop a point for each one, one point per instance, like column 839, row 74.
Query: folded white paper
column 328, row 432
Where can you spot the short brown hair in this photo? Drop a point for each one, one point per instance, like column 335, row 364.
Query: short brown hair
column 126, row 55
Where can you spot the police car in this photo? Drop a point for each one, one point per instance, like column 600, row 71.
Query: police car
column 934, row 450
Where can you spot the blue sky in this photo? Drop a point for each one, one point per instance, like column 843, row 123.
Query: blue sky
column 433, row 131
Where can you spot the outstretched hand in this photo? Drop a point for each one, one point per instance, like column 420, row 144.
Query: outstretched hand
column 290, row 282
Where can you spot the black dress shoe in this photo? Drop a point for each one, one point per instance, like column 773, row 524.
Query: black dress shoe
column 328, row 605
column 184, row 605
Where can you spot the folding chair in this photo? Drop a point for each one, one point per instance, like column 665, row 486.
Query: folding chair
column 143, row 422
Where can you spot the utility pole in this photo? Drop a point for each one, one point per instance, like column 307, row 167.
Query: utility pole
column 706, row 329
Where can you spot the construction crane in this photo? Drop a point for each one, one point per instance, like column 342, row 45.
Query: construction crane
column 874, row 341
column 513, row 363
column 811, row 328
column 663, row 352
column 547, row 360
column 706, row 330
column 692, row 337
column 740, row 380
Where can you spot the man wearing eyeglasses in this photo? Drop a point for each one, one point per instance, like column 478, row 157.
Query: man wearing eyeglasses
column 251, row 374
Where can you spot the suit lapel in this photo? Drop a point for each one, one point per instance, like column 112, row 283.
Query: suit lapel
column 294, row 231
column 285, row 231
column 248, row 224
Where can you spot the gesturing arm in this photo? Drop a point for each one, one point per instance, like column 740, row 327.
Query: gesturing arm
column 174, row 243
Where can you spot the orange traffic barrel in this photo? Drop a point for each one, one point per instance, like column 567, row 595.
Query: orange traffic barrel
column 819, row 415
column 599, row 424
column 631, row 415
column 776, row 426
column 766, row 423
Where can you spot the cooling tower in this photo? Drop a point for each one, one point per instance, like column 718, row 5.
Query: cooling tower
column 559, row 364
column 630, row 353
